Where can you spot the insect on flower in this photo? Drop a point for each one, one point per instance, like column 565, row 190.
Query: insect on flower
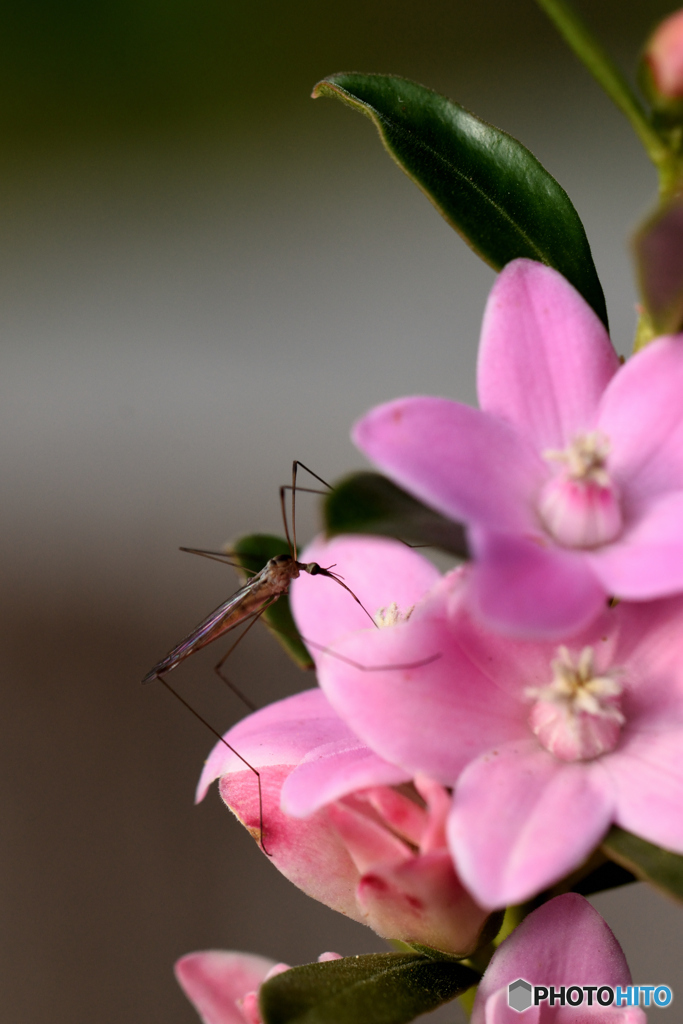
column 251, row 600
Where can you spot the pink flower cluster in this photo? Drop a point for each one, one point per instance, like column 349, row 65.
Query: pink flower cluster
column 475, row 746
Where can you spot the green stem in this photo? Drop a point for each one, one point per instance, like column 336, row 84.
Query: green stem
column 579, row 38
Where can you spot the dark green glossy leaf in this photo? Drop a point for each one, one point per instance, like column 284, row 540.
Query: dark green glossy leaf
column 658, row 249
column 369, row 503
column 252, row 552
column 380, row 988
column 486, row 184
column 648, row 862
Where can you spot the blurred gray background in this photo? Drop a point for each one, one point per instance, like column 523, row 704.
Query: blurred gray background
column 203, row 275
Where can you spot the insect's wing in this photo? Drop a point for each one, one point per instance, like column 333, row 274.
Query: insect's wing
column 236, row 609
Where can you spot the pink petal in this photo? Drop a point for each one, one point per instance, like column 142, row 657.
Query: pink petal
column 378, row 570
column 564, row 942
column 522, row 820
column 368, row 841
column 545, row 358
column 647, row 561
column 431, row 717
column 403, row 816
column 522, row 587
column 281, row 733
column 642, row 416
column 513, row 664
column 309, row 852
column 648, row 780
column 213, row 981
column 465, row 463
column 332, row 771
column 421, row 900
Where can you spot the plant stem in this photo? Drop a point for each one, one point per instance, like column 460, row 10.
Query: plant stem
column 580, row 39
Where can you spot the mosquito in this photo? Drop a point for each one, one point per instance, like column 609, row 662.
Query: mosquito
column 251, row 600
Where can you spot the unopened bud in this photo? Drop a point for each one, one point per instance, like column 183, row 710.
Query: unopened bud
column 663, row 58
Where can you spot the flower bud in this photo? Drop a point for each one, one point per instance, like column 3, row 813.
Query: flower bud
column 663, row 61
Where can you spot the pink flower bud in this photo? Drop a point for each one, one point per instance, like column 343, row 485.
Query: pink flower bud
column 664, row 56
column 332, row 821
column 224, row 986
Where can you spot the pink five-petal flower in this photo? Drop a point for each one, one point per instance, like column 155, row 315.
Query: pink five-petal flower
column 545, row 746
column 570, row 477
column 563, row 943
column 224, row 986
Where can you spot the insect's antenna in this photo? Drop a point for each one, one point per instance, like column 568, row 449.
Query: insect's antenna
column 337, row 579
column 232, row 750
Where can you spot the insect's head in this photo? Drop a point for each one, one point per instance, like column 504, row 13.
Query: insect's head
column 313, row 569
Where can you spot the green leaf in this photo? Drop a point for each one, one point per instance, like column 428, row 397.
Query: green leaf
column 369, row 503
column 486, row 184
column 648, row 862
column 252, row 552
column 379, row 988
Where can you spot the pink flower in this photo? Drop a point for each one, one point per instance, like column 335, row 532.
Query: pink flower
column 544, row 746
column 331, row 821
column 223, row 986
column 570, row 478
column 563, row 943
column 664, row 55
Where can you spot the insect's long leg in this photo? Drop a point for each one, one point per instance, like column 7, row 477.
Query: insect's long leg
column 232, row 749
column 370, row 668
column 219, row 556
column 284, row 521
column 295, row 467
column 217, row 668
column 297, row 462
column 291, row 541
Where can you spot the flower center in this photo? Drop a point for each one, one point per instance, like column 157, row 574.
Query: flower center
column 578, row 715
column 580, row 505
column 391, row 615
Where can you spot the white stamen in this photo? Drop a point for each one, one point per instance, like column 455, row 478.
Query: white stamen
column 391, row 616
column 580, row 505
column 578, row 715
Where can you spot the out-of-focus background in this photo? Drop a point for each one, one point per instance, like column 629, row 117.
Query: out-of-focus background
column 203, row 275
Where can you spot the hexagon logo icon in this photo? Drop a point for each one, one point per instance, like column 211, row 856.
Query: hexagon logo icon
column 519, row 995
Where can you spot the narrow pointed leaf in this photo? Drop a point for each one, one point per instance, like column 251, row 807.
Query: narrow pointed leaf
column 648, row 862
column 379, row 988
column 369, row 503
column 252, row 552
column 485, row 183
